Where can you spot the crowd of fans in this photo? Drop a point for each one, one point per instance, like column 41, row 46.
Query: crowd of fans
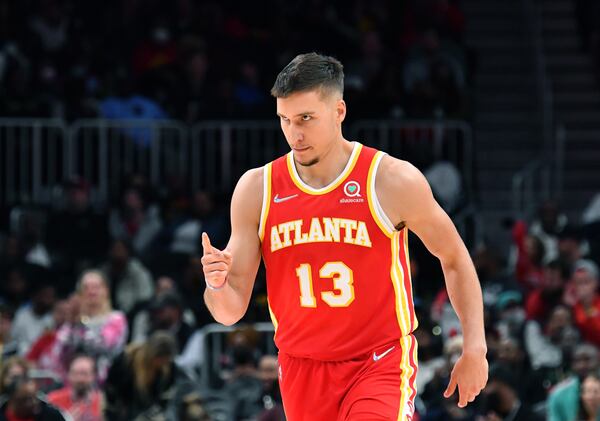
column 101, row 312
column 194, row 61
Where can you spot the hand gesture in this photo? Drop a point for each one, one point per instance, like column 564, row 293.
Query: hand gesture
column 216, row 264
column 470, row 375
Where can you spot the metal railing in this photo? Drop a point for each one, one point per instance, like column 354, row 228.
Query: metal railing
column 542, row 178
column 421, row 142
column 215, row 341
column 38, row 155
column 31, row 155
column 105, row 151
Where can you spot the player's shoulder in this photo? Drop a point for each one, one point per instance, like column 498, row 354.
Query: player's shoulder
column 397, row 173
column 252, row 179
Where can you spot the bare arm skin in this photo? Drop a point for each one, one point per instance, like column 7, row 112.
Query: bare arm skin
column 234, row 270
column 407, row 199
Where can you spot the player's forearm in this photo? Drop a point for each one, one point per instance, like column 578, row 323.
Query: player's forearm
column 228, row 304
column 466, row 298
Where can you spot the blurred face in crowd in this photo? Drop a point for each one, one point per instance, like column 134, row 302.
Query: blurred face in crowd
column 60, row 312
column 17, row 369
column 81, row 376
column 585, row 286
column 119, row 254
column 164, row 284
column 268, row 368
column 93, row 290
column 553, row 280
column 166, row 317
column 24, row 402
column 79, row 199
column 559, row 319
column 133, row 201
column 311, row 122
column 585, row 360
column 44, row 299
column 590, row 394
column 510, row 352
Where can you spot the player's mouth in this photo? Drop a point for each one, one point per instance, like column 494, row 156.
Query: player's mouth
column 301, row 149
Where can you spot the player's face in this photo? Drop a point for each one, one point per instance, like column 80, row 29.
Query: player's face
column 311, row 122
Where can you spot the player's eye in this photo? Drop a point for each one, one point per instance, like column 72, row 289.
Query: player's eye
column 306, row 117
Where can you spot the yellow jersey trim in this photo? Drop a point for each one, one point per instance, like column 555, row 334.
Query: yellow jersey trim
column 266, row 202
column 379, row 216
column 331, row 186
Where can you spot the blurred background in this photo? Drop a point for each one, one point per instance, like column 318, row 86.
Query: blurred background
column 125, row 124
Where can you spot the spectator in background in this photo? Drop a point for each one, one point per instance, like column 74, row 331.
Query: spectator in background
column 15, row 287
column 64, row 311
column 570, row 245
column 8, row 346
column 542, row 300
column 166, row 314
column 143, row 379
column 24, row 404
column 589, row 399
column 268, row 372
column 136, row 220
column 563, row 401
column 31, row 320
column 244, row 386
column 80, row 399
column 549, row 224
column 129, row 279
column 437, row 407
column 530, row 258
column 77, row 234
column 10, row 370
column 511, row 314
column 99, row 330
column 586, row 311
column 501, row 399
column 549, row 341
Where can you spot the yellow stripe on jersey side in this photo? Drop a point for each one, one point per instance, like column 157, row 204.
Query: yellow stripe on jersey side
column 266, row 202
column 407, row 369
column 339, row 180
column 397, row 276
column 372, row 196
column 407, row 257
column 273, row 318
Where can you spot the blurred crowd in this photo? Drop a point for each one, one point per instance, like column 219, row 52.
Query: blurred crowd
column 191, row 60
column 101, row 310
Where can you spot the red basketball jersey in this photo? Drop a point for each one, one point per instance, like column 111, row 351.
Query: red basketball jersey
column 338, row 276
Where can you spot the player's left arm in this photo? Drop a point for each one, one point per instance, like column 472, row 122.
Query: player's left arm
column 406, row 197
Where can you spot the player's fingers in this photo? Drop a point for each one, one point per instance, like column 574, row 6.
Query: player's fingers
column 451, row 387
column 215, row 267
column 227, row 256
column 212, row 258
column 206, row 246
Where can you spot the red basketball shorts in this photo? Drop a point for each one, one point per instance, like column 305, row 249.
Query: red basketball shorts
column 377, row 386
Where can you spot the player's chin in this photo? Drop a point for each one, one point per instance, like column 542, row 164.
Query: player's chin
column 307, row 162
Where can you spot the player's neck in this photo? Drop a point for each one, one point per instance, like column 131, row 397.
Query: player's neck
column 330, row 165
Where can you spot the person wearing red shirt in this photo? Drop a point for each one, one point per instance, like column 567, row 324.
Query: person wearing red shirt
column 80, row 398
column 586, row 311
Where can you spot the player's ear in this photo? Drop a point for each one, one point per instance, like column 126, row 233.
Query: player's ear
column 340, row 109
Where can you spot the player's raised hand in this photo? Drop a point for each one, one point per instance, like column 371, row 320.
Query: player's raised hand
column 469, row 375
column 216, row 264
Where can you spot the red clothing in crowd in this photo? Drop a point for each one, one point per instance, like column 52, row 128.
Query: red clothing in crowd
column 10, row 416
column 588, row 321
column 89, row 409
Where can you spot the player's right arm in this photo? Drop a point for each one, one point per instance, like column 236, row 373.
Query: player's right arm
column 233, row 271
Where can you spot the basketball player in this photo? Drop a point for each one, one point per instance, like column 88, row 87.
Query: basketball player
column 331, row 220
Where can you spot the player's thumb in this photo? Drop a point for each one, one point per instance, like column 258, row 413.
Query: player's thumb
column 206, row 246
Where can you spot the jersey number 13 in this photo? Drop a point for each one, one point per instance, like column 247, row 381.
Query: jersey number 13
column 343, row 280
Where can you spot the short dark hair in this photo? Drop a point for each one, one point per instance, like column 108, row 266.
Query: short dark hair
column 307, row 72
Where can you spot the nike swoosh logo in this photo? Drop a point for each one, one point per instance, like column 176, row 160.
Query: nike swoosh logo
column 278, row 199
column 380, row 356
